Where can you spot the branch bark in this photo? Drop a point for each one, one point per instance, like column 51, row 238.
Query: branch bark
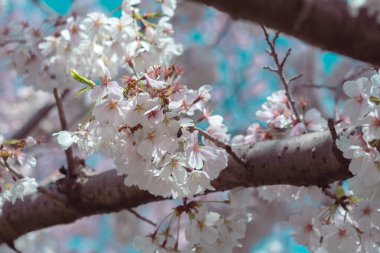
column 305, row 160
column 325, row 24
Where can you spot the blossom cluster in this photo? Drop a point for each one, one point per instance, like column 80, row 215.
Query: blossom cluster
column 347, row 218
column 338, row 222
column 280, row 122
column 95, row 45
column 150, row 125
column 279, row 117
column 146, row 126
column 14, row 161
column 361, row 145
column 206, row 231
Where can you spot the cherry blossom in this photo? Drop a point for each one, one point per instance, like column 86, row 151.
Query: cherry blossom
column 365, row 214
column 95, row 45
column 151, row 142
column 23, row 187
column 203, row 227
column 372, row 131
column 308, row 229
column 359, row 103
column 341, row 238
column 163, row 138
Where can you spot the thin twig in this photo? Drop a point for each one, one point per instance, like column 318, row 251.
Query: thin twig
column 295, row 78
column 12, row 41
column 280, row 69
column 220, row 144
column 45, row 8
column 139, row 216
column 319, row 86
column 221, row 33
column 62, row 119
column 36, row 119
column 12, row 171
column 329, row 194
column 285, row 58
column 218, row 38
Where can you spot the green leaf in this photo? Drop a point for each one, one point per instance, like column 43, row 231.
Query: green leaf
column 374, row 100
column 11, row 142
column 83, row 90
column 82, row 79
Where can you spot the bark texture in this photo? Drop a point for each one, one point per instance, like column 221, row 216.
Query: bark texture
column 305, row 160
column 325, row 24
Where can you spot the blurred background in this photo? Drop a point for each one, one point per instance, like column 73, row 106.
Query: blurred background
column 225, row 53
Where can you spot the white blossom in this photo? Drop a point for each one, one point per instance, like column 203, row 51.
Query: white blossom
column 23, row 187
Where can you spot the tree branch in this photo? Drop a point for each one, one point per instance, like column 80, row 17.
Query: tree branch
column 62, row 118
column 327, row 25
column 280, row 70
column 301, row 161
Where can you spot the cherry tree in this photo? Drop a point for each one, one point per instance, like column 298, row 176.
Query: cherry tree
column 129, row 104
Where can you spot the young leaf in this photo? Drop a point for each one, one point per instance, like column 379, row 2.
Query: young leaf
column 82, row 79
column 11, row 142
column 374, row 100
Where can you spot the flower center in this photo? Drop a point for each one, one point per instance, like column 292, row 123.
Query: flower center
column 112, row 105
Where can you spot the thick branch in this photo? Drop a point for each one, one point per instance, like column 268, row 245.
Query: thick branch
column 325, row 24
column 303, row 160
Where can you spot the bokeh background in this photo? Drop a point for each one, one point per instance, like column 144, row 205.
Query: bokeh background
column 226, row 53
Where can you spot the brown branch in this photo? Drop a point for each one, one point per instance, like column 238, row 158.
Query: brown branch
column 303, row 160
column 327, row 25
column 62, row 119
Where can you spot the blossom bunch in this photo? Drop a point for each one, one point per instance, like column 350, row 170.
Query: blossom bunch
column 341, row 223
column 207, row 230
column 347, row 218
column 281, row 120
column 147, row 126
column 162, row 137
column 95, row 45
column 14, row 160
column 361, row 144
